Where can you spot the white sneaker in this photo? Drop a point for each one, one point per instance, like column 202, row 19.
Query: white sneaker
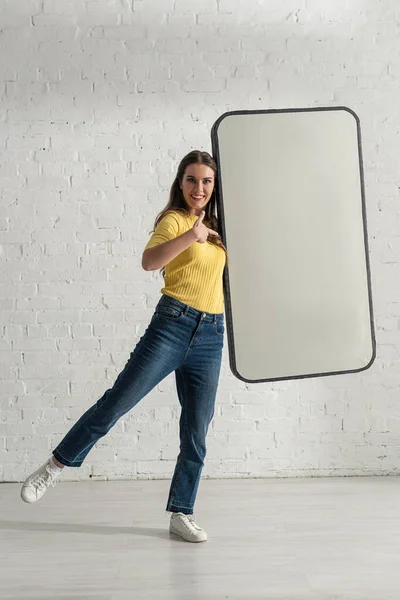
column 185, row 526
column 36, row 484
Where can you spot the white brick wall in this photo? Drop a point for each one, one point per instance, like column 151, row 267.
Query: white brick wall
column 99, row 101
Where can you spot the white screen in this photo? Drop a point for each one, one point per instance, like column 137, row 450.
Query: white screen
column 291, row 205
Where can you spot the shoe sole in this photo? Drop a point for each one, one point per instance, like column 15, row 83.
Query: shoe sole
column 171, row 530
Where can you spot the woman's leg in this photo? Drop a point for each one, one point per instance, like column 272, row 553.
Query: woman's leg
column 197, row 383
column 157, row 354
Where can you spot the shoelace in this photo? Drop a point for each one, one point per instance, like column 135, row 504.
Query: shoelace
column 44, row 479
column 192, row 522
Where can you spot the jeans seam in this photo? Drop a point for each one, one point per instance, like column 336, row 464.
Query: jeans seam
column 73, row 462
column 61, row 445
column 175, row 483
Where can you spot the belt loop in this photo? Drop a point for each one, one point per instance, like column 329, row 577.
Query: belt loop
column 214, row 318
column 186, row 310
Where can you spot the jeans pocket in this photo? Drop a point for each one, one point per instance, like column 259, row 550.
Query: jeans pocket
column 170, row 312
column 219, row 327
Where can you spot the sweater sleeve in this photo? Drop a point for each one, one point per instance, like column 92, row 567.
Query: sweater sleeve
column 167, row 229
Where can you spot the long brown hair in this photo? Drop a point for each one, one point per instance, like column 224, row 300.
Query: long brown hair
column 177, row 201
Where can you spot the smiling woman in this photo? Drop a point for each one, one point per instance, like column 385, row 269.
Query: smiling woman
column 185, row 336
column 196, row 176
column 197, row 187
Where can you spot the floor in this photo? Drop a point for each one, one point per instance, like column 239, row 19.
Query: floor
column 279, row 539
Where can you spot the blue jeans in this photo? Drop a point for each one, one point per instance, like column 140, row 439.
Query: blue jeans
column 179, row 338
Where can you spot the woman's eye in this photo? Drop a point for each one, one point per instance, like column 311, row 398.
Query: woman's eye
column 208, row 181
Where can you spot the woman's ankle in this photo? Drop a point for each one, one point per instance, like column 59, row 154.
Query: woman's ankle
column 59, row 465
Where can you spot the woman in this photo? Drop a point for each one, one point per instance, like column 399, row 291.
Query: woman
column 185, row 335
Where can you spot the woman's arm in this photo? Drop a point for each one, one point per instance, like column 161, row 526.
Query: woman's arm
column 161, row 255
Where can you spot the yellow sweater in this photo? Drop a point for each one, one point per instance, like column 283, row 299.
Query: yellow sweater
column 194, row 276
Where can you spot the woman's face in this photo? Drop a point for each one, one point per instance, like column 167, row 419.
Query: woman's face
column 197, row 187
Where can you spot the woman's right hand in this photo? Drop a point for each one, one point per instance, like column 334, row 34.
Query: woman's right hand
column 200, row 231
